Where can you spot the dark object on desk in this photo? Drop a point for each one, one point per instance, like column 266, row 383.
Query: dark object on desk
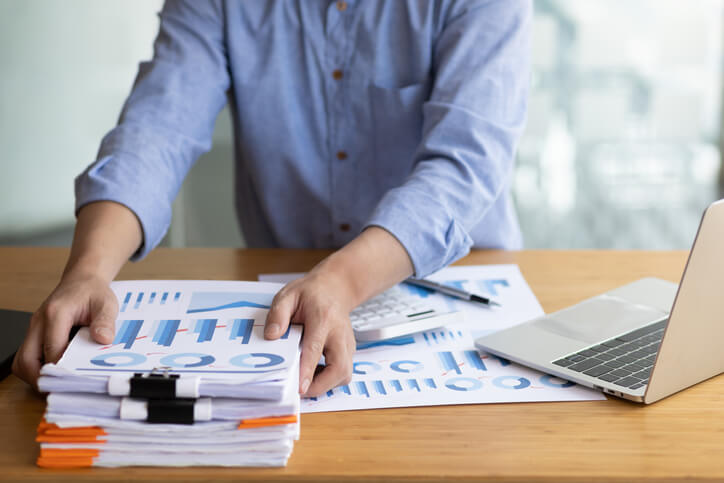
column 13, row 326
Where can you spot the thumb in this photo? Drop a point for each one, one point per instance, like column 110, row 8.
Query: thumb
column 280, row 314
column 103, row 322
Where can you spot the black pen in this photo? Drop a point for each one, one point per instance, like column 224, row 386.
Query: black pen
column 451, row 291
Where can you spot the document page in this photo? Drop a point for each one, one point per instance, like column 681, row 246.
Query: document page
column 443, row 366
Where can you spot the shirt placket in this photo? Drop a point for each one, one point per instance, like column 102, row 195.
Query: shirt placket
column 337, row 45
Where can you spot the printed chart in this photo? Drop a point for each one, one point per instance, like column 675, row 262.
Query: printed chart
column 419, row 377
column 188, row 327
column 442, row 366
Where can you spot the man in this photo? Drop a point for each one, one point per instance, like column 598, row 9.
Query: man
column 384, row 128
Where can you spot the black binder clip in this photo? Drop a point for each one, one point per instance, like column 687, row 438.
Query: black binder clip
column 173, row 411
column 157, row 384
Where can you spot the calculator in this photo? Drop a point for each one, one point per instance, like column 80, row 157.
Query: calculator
column 395, row 313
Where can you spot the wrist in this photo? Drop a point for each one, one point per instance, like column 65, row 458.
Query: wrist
column 88, row 267
column 336, row 273
column 368, row 265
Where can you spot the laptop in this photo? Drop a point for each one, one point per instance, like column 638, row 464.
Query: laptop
column 643, row 341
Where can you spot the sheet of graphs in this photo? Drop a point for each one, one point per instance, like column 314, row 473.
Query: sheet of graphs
column 188, row 327
column 442, row 366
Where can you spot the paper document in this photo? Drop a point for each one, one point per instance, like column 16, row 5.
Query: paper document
column 443, row 366
column 187, row 380
column 211, row 331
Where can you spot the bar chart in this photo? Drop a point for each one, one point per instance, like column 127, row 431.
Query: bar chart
column 166, row 332
column 128, row 333
column 381, row 388
column 437, row 337
column 450, row 363
column 135, row 300
column 205, row 329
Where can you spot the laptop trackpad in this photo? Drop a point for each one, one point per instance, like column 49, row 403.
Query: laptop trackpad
column 599, row 318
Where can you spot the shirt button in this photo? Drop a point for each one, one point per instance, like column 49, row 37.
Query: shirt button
column 337, row 74
column 344, row 227
column 341, row 155
column 341, row 5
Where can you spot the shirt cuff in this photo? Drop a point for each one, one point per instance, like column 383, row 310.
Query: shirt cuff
column 432, row 237
column 117, row 178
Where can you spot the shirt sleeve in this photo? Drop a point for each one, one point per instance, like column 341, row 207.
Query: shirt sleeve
column 471, row 123
column 166, row 122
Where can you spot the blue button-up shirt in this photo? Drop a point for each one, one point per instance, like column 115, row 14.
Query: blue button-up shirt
column 347, row 114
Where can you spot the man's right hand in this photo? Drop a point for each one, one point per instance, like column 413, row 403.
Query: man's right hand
column 77, row 300
column 106, row 235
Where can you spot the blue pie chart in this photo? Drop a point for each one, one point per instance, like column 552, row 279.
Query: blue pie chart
column 552, row 381
column 463, row 384
column 271, row 360
column 119, row 359
column 511, row 382
column 359, row 367
column 203, row 360
column 406, row 366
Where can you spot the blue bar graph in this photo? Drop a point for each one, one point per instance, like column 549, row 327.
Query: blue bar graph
column 163, row 298
column 177, row 296
column 205, row 328
column 379, row 388
column 242, row 328
column 125, row 301
column 473, row 357
column 138, row 300
column 127, row 334
column 448, row 362
column 362, row 388
column 165, row 332
column 438, row 337
column 152, row 297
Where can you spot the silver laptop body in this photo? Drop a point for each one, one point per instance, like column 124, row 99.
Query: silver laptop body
column 593, row 342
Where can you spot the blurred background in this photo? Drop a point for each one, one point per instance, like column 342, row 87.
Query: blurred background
column 623, row 147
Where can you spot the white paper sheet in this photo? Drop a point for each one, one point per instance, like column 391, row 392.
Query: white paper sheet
column 442, row 366
column 205, row 329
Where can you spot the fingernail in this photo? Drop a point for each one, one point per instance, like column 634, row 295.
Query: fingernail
column 305, row 385
column 272, row 329
column 104, row 332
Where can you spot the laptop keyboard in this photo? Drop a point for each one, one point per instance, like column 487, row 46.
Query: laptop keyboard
column 626, row 360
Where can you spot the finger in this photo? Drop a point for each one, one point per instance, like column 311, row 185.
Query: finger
column 338, row 368
column 58, row 321
column 29, row 358
column 103, row 320
column 313, row 340
column 280, row 314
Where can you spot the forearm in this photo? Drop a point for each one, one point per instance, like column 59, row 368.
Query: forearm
column 368, row 265
column 106, row 235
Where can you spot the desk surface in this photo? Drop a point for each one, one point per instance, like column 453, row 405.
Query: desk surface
column 675, row 439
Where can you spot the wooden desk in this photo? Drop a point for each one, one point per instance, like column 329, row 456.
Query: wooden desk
column 679, row 438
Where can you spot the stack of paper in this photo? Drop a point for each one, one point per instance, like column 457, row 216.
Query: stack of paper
column 188, row 380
